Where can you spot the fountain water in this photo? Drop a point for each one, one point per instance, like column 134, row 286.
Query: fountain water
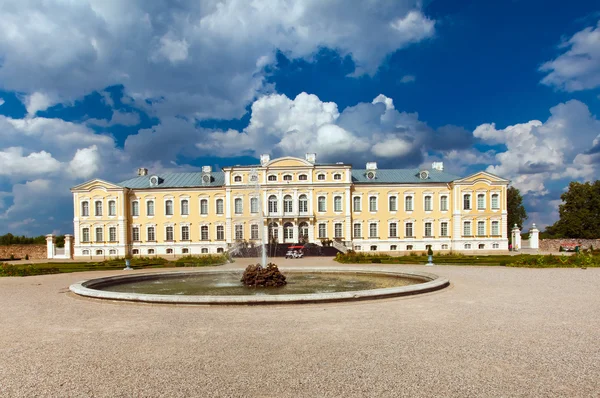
column 255, row 180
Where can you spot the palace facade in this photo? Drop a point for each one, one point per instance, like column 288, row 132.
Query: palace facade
column 370, row 209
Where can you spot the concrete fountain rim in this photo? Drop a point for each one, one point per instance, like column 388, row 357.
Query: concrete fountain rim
column 431, row 282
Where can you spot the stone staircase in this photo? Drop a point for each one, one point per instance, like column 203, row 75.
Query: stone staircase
column 340, row 246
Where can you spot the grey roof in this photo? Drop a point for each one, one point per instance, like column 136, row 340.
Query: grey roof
column 401, row 176
column 176, row 180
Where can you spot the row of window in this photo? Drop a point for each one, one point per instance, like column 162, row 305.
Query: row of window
column 289, row 177
column 85, row 208
column 467, row 246
column 113, row 252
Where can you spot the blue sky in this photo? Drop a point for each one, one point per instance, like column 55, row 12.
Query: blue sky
column 98, row 89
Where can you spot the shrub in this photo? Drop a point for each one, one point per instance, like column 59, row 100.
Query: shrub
column 376, row 261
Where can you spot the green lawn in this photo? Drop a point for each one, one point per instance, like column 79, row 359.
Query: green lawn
column 7, row 269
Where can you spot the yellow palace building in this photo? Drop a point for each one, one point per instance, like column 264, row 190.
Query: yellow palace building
column 370, row 209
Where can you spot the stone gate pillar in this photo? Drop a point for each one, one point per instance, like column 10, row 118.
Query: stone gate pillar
column 50, row 246
column 534, row 237
column 68, row 246
column 516, row 237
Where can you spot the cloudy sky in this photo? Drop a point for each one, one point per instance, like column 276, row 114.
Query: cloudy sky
column 98, row 88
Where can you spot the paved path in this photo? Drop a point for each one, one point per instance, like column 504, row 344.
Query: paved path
column 495, row 332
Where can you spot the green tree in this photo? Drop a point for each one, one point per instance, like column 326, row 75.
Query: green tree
column 579, row 213
column 516, row 213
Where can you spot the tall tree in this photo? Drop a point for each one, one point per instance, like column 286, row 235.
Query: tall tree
column 516, row 213
column 579, row 213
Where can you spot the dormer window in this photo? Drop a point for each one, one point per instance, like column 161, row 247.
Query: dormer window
column 154, row 181
column 272, row 177
column 337, row 176
column 237, row 179
column 287, row 177
column 423, row 175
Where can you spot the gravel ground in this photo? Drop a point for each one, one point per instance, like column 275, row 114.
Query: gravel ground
column 495, row 332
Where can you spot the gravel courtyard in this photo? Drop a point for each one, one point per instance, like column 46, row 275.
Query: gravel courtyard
column 494, row 332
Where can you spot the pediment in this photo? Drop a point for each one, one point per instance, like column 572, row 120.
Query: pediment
column 95, row 184
column 289, row 161
column 481, row 176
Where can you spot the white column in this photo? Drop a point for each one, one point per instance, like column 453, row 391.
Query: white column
column 311, row 232
column 68, row 241
column 228, row 223
column 50, row 246
column 348, row 233
column 534, row 238
column 516, row 237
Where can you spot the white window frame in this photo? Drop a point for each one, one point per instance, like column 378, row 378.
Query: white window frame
column 220, row 206
column 204, row 232
column 220, row 232
column 443, row 226
column 371, row 235
column 273, row 204
column 185, row 207
column 112, row 208
column 412, row 229
column 354, row 230
column 135, row 233
column 135, row 208
column 425, row 224
column 172, row 232
column 148, row 212
column 337, row 204
column 185, row 234
column 288, row 177
column 254, row 232
column 395, row 232
column 409, row 203
column 337, row 176
column 99, row 234
column 112, row 230
column 254, row 205
column 288, row 204
column 428, row 206
column 444, row 203
column 481, row 196
column 238, row 231
column 203, row 207
column 321, row 200
column 85, row 210
column 322, row 230
column 338, row 230
column 373, row 199
column 479, row 231
column 321, row 177
column 151, row 237
column 495, row 206
column 303, row 203
column 238, row 206
column 357, row 200
column 272, row 177
column 465, row 195
column 495, row 228
column 85, row 231
column 96, row 208
column 393, row 206
column 467, row 231
column 167, row 207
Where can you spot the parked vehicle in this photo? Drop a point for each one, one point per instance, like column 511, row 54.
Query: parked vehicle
column 295, row 252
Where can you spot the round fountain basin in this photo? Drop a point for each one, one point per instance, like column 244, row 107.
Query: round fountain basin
column 305, row 285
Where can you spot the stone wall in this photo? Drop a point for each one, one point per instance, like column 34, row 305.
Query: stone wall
column 19, row 251
column 553, row 245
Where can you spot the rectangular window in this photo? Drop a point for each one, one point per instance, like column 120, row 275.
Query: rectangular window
column 204, row 232
column 150, row 208
column 99, row 235
column 357, row 231
column 444, row 203
column 495, row 228
column 444, row 229
column 239, row 232
column 185, row 207
column 112, row 234
column 169, row 208
column 169, row 233
column 254, row 231
column 480, row 228
column 219, row 206
column 372, row 203
column 393, row 230
column 85, row 209
column 495, row 202
column 480, row 201
column 112, row 208
column 357, row 204
column 151, row 235
column 220, row 232
column 373, row 230
column 135, row 208
column 321, row 204
column 322, row 231
column 238, row 206
column 408, row 203
column 467, row 202
column 409, row 230
column 185, row 233
column 85, row 235
column 428, row 231
column 467, row 228
column 393, row 203
column 254, row 205
column 428, row 203
column 337, row 230
column 135, row 234
column 337, row 203
column 98, row 208
column 204, row 206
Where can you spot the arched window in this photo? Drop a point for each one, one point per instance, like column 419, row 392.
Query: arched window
column 287, row 177
column 204, row 250
column 321, row 204
column 303, row 231
column 428, row 206
column 238, row 206
column 85, row 209
column 302, row 177
column 321, row 177
column 273, row 231
column 169, row 207
column 408, row 203
column 272, row 204
column 99, row 252
column 204, row 232
column 288, row 204
column 98, row 208
column 185, row 250
column 112, row 208
column 85, row 235
column 288, row 231
column 219, row 206
column 135, row 251
column 151, row 234
column 253, row 205
column 150, row 251
column 373, row 203
column 357, row 204
column 337, row 203
column 393, row 203
column 337, row 176
column 169, row 233
column 150, row 208
column 303, row 204
column 185, row 207
column 237, row 179
column 85, row 252
column 204, row 206
column 169, row 251
column 272, row 177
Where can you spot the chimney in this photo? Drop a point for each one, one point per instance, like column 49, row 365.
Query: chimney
column 206, row 169
column 437, row 166
column 264, row 159
column 142, row 171
column 371, row 165
column 311, row 157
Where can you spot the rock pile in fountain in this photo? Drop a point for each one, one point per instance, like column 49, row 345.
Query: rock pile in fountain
column 269, row 276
